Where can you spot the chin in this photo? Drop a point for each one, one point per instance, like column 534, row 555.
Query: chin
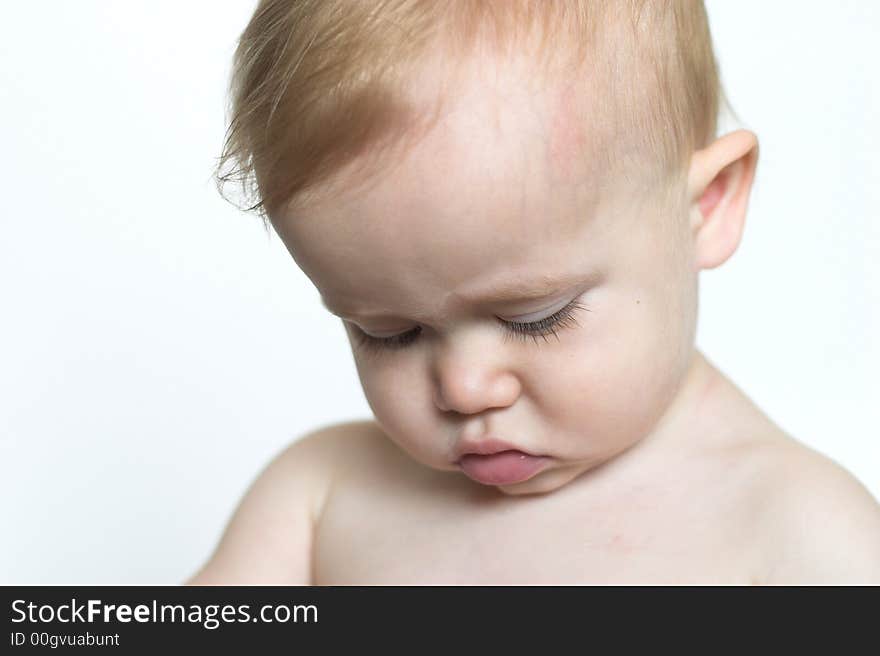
column 542, row 483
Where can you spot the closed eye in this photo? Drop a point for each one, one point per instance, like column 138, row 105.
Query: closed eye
column 564, row 318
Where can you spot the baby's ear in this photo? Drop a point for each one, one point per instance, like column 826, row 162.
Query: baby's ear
column 719, row 182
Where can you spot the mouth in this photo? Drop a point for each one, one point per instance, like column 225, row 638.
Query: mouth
column 492, row 462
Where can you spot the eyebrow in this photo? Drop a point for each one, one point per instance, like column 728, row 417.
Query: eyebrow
column 506, row 292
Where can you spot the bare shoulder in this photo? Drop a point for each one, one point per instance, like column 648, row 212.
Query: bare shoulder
column 816, row 521
column 269, row 537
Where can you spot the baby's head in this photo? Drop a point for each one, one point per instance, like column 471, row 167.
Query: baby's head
column 508, row 203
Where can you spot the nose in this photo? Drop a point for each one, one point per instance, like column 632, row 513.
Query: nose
column 471, row 377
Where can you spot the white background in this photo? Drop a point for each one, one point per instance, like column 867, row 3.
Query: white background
column 157, row 347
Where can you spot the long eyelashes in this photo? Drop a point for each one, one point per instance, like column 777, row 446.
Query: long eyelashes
column 564, row 318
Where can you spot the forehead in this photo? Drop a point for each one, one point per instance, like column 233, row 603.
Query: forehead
column 507, row 108
column 503, row 187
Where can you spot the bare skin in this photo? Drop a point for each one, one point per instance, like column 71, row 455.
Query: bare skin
column 662, row 471
column 718, row 512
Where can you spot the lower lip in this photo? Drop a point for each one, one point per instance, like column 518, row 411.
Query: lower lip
column 502, row 468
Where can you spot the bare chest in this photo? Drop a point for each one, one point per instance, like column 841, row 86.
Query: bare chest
column 391, row 539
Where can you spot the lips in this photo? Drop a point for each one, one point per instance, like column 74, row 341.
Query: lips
column 493, row 462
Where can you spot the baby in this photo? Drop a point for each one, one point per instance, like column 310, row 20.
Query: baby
column 508, row 204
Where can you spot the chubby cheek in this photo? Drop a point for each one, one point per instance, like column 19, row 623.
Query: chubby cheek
column 396, row 389
column 611, row 385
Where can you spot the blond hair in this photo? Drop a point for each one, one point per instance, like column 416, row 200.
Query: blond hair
column 317, row 84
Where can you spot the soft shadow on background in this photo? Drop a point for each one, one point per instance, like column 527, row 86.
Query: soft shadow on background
column 157, row 347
